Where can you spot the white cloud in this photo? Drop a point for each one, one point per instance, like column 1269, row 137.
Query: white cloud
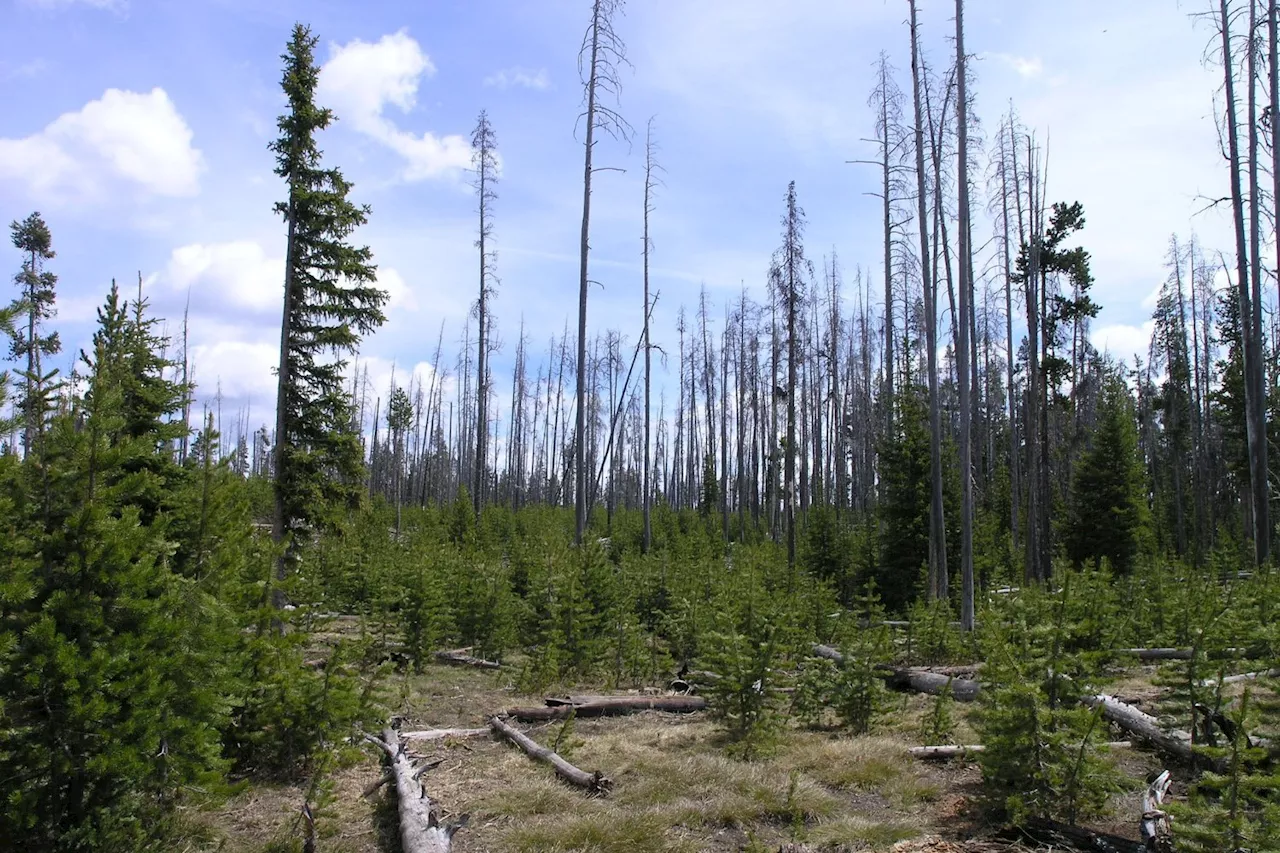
column 239, row 274
column 1123, row 341
column 137, row 138
column 243, row 369
column 361, row 79
column 521, row 77
column 243, row 277
column 1024, row 66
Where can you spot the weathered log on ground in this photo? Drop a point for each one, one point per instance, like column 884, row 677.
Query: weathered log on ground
column 948, row 753
column 459, row 657
column 1157, row 654
column 1145, row 727
column 1153, row 827
column 1244, row 676
column 594, row 783
column 420, row 828
column 921, row 681
column 443, row 734
column 1053, row 834
column 945, row 753
column 611, row 707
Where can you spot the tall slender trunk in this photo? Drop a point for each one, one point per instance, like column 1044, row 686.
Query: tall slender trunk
column 645, row 485
column 1014, row 485
column 966, row 331
column 284, row 377
column 1257, row 369
column 937, row 524
column 580, row 434
column 1253, row 428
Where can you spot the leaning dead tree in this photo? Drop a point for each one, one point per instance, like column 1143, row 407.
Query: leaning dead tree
column 420, row 827
column 599, row 60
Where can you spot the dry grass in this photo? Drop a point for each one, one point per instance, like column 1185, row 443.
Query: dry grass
column 674, row 788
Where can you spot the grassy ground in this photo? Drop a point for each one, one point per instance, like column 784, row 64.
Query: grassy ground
column 674, row 788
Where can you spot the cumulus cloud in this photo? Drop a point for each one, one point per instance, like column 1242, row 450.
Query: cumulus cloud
column 361, row 79
column 241, row 369
column 240, row 274
column 130, row 137
column 520, row 77
column 1123, row 341
column 243, row 279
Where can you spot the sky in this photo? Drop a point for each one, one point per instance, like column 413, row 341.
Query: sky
column 139, row 129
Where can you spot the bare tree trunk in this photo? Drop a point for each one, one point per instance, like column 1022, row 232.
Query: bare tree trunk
column 966, row 329
column 937, row 524
column 1253, row 427
column 645, row 484
column 1255, row 368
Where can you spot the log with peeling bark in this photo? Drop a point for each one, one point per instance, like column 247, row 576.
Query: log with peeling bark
column 459, row 657
column 611, row 707
column 594, row 783
column 444, row 734
column 1154, row 828
column 420, row 827
column 1145, row 727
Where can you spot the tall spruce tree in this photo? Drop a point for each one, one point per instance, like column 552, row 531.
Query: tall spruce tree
column 330, row 300
column 35, row 302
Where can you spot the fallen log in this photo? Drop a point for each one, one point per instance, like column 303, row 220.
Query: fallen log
column 1157, row 654
column 420, row 828
column 1145, row 727
column 594, row 783
column 1053, row 834
column 459, row 657
column 443, row 734
column 610, row 707
column 945, row 753
column 1244, row 676
column 921, row 681
column 948, row 753
column 1154, row 828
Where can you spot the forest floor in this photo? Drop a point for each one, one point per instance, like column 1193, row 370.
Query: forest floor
column 674, row 787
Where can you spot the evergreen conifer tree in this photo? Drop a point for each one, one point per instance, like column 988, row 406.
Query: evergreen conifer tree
column 1107, row 508
column 330, row 300
column 37, row 285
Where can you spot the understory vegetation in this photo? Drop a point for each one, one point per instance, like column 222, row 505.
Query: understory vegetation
column 835, row 506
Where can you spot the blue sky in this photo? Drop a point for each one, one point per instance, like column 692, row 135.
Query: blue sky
column 139, row 129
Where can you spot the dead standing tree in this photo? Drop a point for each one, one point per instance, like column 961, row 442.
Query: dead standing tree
column 599, row 59
column 484, row 163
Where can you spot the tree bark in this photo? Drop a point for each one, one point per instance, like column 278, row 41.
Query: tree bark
column 1144, row 726
column 593, row 783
